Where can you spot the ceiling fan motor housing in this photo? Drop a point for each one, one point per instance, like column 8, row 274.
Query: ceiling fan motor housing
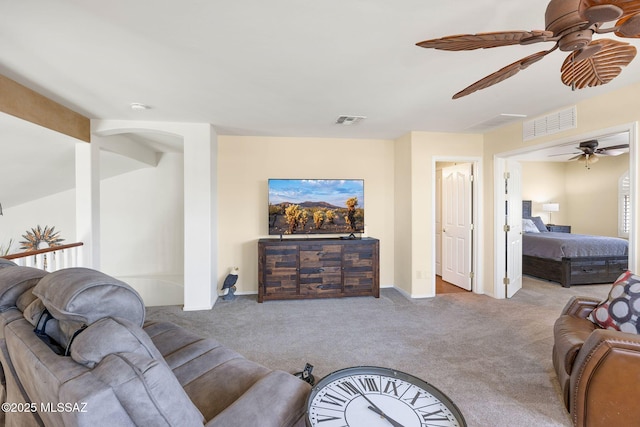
column 589, row 146
column 575, row 41
column 563, row 20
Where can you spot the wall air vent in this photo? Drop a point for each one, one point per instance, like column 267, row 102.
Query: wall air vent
column 550, row 124
column 349, row 120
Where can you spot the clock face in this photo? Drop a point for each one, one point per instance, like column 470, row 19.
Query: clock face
column 370, row 396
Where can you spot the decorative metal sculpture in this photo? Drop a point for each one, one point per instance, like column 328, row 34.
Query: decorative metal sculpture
column 37, row 236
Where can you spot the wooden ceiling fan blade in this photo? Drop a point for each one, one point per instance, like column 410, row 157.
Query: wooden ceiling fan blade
column 629, row 26
column 629, row 7
column 576, row 157
column 490, row 80
column 599, row 68
column 503, row 73
column 486, row 40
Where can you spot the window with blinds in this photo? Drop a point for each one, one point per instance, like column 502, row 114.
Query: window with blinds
column 624, row 205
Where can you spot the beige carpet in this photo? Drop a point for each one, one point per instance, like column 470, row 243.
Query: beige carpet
column 491, row 357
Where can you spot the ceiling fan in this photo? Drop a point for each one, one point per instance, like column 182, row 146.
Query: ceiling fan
column 589, row 152
column 571, row 24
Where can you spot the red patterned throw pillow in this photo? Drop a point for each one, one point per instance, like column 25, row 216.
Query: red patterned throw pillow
column 621, row 310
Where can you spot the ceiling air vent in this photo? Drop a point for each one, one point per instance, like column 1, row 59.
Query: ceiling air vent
column 550, row 124
column 349, row 120
column 497, row 121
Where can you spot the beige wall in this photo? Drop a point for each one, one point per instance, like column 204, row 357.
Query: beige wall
column 612, row 111
column 246, row 163
column 416, row 167
column 544, row 182
column 588, row 198
column 398, row 195
column 403, row 214
column 592, row 195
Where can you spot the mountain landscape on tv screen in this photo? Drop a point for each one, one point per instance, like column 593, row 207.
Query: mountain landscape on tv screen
column 315, row 206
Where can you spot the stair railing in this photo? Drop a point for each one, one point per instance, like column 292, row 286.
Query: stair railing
column 50, row 259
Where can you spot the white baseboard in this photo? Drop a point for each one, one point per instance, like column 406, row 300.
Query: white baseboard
column 408, row 295
column 196, row 308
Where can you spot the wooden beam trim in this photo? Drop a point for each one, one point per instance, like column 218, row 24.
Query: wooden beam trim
column 24, row 103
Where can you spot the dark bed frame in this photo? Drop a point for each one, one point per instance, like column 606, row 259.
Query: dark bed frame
column 574, row 270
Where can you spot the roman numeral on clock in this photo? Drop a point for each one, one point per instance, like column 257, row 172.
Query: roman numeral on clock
column 325, row 418
column 368, row 384
column 414, row 399
column 349, row 388
column 391, row 387
column 332, row 400
column 438, row 415
column 420, row 395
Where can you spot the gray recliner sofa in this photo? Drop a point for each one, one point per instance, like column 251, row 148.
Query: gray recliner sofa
column 75, row 351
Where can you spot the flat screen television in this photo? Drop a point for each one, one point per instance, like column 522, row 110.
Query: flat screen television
column 316, row 206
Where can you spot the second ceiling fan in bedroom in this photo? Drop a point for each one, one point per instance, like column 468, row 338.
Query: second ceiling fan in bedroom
column 589, row 152
column 571, row 24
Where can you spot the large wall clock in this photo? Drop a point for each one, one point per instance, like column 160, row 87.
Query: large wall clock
column 370, row 396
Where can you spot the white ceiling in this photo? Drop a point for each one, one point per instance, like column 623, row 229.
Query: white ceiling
column 279, row 67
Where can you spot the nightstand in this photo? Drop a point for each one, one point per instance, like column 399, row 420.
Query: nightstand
column 559, row 228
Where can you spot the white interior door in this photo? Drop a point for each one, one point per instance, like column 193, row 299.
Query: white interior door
column 513, row 227
column 457, row 224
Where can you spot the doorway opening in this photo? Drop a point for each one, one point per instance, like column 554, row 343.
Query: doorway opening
column 454, row 226
column 546, row 190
